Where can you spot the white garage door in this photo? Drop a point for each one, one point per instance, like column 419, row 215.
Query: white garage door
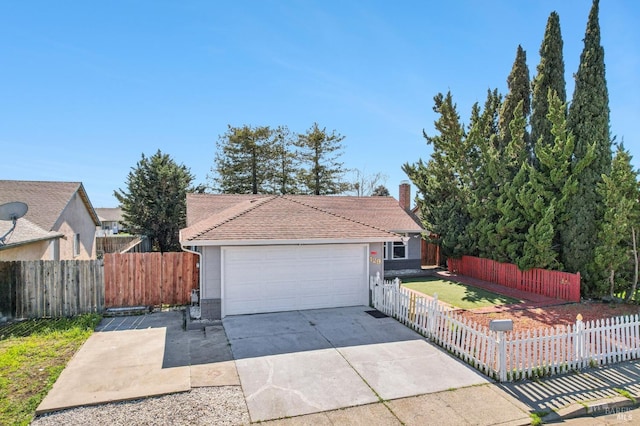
column 285, row 278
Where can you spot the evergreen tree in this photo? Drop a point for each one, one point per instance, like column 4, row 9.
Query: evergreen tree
column 549, row 78
column 443, row 195
column 519, row 91
column 154, row 203
column 511, row 226
column 244, row 160
column 380, row 191
column 619, row 192
column 321, row 172
column 282, row 173
column 550, row 185
column 588, row 120
column 485, row 183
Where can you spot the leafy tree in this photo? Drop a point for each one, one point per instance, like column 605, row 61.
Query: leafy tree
column 154, row 203
column 443, row 194
column 364, row 184
column 619, row 192
column 588, row 120
column 321, row 172
column 549, row 80
column 244, row 160
column 380, row 191
column 519, row 91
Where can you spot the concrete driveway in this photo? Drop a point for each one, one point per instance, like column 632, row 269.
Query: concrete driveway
column 302, row 362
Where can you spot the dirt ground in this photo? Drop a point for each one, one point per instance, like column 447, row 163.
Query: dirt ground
column 555, row 315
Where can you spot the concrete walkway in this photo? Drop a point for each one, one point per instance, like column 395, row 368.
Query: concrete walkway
column 140, row 356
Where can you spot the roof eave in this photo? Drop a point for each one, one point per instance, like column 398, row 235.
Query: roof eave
column 289, row 242
column 33, row 240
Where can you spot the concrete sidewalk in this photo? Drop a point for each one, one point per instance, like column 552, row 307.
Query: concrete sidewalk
column 140, row 356
column 476, row 405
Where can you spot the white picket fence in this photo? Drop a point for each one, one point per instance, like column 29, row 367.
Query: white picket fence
column 508, row 356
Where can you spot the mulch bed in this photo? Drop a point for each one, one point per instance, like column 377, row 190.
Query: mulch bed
column 550, row 316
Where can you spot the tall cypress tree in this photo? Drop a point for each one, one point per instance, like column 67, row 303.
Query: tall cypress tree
column 588, row 121
column 619, row 191
column 549, row 78
column 519, row 91
column 442, row 181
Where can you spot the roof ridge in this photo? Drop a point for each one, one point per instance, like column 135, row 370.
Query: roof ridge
column 257, row 203
column 291, row 198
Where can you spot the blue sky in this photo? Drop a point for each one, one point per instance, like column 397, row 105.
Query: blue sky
column 87, row 87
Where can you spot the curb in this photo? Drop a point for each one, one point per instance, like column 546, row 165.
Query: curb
column 608, row 406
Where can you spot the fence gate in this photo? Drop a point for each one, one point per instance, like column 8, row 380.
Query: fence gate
column 149, row 279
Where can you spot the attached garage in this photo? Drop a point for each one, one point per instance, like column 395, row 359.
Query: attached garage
column 293, row 277
column 267, row 253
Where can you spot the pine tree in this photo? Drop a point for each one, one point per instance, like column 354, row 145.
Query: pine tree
column 321, row 172
column 443, row 196
column 588, row 120
column 619, row 192
column 519, row 91
column 244, row 160
column 549, row 78
column 154, row 203
column 281, row 177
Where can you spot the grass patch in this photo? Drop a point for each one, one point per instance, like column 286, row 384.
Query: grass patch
column 457, row 294
column 32, row 355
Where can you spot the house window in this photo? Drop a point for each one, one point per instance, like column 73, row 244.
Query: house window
column 399, row 250
column 384, row 251
column 76, row 245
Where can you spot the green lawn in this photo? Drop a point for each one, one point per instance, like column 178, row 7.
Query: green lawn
column 457, row 294
column 33, row 353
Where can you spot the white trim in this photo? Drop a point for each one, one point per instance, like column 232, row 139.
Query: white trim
column 196, row 243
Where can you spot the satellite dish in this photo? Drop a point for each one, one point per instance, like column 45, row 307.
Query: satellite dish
column 13, row 211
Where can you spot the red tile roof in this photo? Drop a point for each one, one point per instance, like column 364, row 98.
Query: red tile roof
column 293, row 218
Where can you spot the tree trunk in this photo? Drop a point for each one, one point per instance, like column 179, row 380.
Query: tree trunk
column 612, row 281
column 632, row 292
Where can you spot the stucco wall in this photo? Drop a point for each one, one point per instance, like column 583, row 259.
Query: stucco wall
column 75, row 219
column 414, row 258
column 39, row 250
column 210, row 293
column 376, row 261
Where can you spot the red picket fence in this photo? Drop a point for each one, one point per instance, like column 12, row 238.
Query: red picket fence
column 556, row 284
column 149, row 279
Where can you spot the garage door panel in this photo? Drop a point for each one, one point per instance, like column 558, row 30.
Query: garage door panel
column 281, row 278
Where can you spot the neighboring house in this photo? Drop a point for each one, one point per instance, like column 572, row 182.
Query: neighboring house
column 110, row 221
column 265, row 253
column 60, row 223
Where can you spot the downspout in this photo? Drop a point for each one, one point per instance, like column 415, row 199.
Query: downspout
column 199, row 267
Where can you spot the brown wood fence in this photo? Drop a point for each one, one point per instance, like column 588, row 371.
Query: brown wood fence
column 47, row 288
column 146, row 279
column 560, row 285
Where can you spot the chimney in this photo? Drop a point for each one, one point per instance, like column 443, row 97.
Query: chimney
column 405, row 195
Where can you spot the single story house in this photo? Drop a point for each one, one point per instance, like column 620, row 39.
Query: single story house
column 111, row 221
column 60, row 223
column 268, row 253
